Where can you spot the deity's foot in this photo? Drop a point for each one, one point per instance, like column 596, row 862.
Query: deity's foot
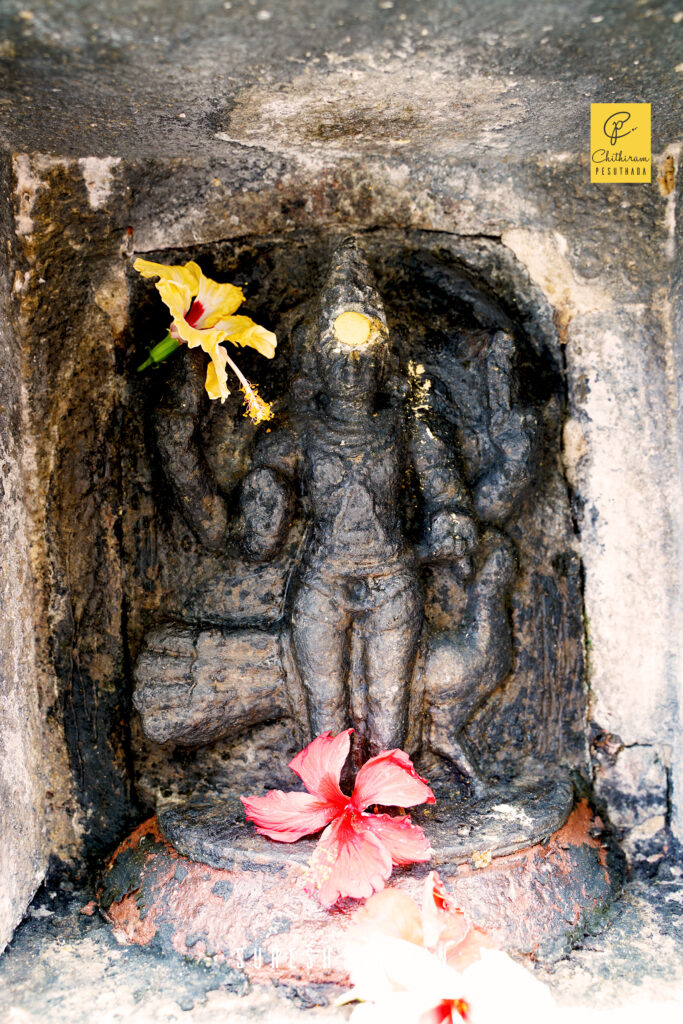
column 523, row 863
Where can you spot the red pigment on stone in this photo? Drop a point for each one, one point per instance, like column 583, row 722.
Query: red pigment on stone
column 530, row 874
column 518, row 899
column 309, row 949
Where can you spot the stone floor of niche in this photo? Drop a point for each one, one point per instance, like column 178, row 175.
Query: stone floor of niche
column 63, row 967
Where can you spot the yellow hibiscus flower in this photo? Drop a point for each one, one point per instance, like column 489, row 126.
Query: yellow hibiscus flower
column 203, row 315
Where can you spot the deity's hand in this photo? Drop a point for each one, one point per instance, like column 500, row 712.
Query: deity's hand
column 514, row 432
column 176, row 421
column 266, row 504
column 452, row 538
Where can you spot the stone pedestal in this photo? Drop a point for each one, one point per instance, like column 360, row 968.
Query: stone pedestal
column 234, row 897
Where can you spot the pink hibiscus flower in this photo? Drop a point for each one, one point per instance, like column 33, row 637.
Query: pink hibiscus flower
column 357, row 850
column 434, row 966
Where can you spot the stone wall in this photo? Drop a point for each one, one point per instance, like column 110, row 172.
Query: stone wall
column 674, row 320
column 69, row 287
column 623, row 407
column 147, row 133
column 622, row 461
column 24, row 846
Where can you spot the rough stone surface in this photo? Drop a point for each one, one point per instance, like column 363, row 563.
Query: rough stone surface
column 197, row 686
column 23, row 848
column 636, row 770
column 140, row 129
column 634, row 783
column 211, row 827
column 625, row 488
column 634, row 960
column 66, row 966
column 72, row 404
column 503, row 77
column 535, row 901
column 675, row 243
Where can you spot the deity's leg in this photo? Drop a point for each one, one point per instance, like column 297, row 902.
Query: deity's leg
column 320, row 626
column 390, row 635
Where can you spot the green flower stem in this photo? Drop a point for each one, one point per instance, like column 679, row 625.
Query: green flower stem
column 160, row 352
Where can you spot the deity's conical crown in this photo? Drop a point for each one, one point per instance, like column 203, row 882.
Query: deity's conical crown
column 350, row 292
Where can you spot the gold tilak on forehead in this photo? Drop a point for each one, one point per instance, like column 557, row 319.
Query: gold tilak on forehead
column 353, row 329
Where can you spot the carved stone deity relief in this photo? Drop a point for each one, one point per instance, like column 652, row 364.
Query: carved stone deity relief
column 392, row 552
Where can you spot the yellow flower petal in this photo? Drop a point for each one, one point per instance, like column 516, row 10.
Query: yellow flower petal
column 217, row 301
column 178, row 287
column 188, row 275
column 208, row 338
column 176, row 296
column 241, row 330
column 216, row 378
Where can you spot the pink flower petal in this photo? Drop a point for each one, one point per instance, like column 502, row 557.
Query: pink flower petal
column 287, row 817
column 442, row 920
column 447, row 929
column 349, row 860
column 390, row 779
column 390, row 912
column 406, row 842
column 319, row 766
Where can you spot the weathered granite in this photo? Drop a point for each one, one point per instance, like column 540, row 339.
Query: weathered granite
column 675, row 314
column 24, row 848
column 211, row 827
column 68, row 326
column 136, row 130
column 498, row 77
column 64, row 965
column 634, row 783
column 622, row 465
column 251, row 901
column 212, row 689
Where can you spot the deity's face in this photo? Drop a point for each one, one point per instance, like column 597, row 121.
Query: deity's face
column 351, row 355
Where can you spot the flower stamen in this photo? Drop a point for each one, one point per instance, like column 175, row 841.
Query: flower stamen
column 256, row 408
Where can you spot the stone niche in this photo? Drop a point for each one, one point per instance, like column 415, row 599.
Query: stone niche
column 446, row 300
column 451, row 139
column 97, row 554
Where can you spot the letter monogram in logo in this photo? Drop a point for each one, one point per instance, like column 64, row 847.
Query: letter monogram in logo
column 613, row 125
